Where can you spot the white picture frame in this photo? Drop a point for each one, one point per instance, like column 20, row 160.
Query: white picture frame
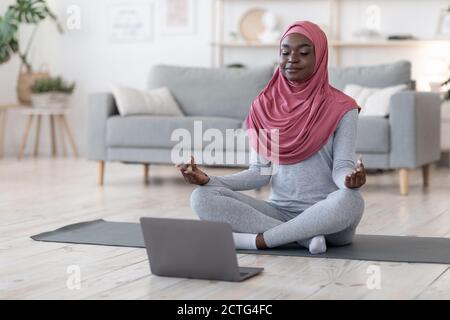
column 130, row 22
column 178, row 17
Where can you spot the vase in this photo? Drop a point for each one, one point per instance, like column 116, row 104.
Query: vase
column 271, row 34
column 25, row 81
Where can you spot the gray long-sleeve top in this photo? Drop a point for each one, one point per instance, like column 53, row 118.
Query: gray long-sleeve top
column 296, row 187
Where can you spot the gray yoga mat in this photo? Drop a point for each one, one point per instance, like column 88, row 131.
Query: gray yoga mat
column 364, row 247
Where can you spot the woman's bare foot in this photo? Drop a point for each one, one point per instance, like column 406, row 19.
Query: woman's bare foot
column 260, row 243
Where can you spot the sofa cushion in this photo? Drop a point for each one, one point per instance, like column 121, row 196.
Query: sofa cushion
column 222, row 92
column 131, row 101
column 376, row 76
column 373, row 135
column 156, row 131
column 373, row 101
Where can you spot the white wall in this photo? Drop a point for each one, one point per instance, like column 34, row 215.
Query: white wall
column 87, row 57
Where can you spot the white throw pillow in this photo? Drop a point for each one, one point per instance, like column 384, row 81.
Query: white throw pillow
column 373, row 101
column 159, row 101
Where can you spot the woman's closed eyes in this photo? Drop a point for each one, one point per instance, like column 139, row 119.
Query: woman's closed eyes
column 304, row 53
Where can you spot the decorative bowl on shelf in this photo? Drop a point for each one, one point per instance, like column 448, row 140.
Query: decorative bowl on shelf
column 251, row 24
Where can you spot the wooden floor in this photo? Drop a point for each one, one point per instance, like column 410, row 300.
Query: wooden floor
column 44, row 194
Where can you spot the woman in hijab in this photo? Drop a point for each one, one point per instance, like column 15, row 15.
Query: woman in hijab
column 314, row 198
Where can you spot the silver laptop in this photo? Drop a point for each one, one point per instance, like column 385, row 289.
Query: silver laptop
column 193, row 249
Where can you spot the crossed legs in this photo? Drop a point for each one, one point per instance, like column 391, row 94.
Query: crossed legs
column 335, row 217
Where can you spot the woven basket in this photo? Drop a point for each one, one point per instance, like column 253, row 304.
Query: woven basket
column 25, row 81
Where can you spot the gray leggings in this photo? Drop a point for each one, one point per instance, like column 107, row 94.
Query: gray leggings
column 335, row 217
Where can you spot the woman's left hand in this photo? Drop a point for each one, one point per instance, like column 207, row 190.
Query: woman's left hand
column 357, row 178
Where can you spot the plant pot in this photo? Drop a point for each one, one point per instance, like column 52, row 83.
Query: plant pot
column 50, row 100
column 25, row 81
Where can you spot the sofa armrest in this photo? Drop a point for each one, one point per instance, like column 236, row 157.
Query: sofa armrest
column 415, row 120
column 100, row 107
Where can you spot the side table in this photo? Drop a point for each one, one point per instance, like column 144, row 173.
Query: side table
column 3, row 119
column 56, row 117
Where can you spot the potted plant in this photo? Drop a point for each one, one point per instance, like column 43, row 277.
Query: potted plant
column 29, row 12
column 51, row 93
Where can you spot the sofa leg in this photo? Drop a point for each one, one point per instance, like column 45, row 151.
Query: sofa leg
column 426, row 175
column 146, row 171
column 100, row 172
column 404, row 181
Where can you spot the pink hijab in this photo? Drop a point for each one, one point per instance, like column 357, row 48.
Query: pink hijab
column 306, row 114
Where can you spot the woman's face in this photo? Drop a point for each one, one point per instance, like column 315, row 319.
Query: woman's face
column 297, row 58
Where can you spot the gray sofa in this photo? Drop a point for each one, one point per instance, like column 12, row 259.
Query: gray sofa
column 410, row 137
column 220, row 98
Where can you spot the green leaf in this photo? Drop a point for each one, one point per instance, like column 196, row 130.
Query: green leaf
column 8, row 27
column 29, row 11
column 7, row 50
column 34, row 11
column 8, row 40
column 23, row 11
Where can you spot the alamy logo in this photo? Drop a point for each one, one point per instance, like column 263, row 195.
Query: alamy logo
column 74, row 280
column 74, row 17
column 228, row 149
column 374, row 280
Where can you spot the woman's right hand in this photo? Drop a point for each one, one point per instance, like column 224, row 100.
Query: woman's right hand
column 192, row 174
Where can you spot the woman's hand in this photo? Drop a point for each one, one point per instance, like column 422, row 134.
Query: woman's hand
column 358, row 177
column 192, row 174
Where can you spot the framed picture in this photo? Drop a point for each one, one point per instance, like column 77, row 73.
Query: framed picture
column 178, row 16
column 131, row 22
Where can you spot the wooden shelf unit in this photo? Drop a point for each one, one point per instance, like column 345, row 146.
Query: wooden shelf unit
column 219, row 44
